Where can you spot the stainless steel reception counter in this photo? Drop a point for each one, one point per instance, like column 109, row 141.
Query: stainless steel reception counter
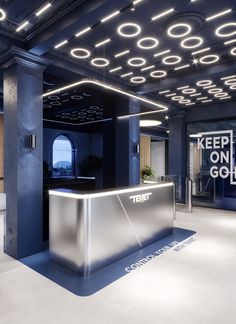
column 90, row 230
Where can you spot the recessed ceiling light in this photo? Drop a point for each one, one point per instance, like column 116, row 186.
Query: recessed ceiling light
column 165, row 91
column 115, row 69
column 158, row 74
column 136, row 30
column 186, row 27
column 230, row 82
column 2, row 15
column 148, row 43
column 138, row 79
column 148, row 68
column 100, row 62
column 221, row 95
column 122, row 53
column 230, row 41
column 136, row 61
column 182, row 67
column 192, row 42
column 126, row 74
column 22, row 26
column 189, row 91
column 41, row 11
column 105, row 41
column 80, row 53
column 148, row 123
column 177, row 98
column 83, row 31
column 209, row 59
column 171, row 59
column 162, row 14
column 185, row 87
column 61, row 44
column 219, row 32
column 219, row 14
column 201, row 51
column 162, row 53
column 115, row 13
column 215, row 90
column 233, row 51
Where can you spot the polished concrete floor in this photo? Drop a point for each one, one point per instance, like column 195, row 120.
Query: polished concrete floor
column 196, row 285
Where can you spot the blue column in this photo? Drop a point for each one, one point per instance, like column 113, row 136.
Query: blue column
column 23, row 116
column 127, row 138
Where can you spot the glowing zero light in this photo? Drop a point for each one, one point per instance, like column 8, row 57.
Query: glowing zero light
column 158, row 74
column 108, row 87
column 198, row 42
column 204, row 83
column 137, row 61
column 136, row 32
column 154, row 43
column 209, row 59
column 219, row 32
column 85, row 53
column 2, row 15
column 138, row 79
column 100, row 62
column 171, row 59
column 189, row 91
column 185, row 26
column 233, row 51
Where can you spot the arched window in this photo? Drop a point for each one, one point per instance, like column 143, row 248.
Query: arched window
column 62, row 156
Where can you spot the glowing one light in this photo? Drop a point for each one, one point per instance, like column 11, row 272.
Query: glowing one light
column 148, row 68
column 47, row 6
column 22, row 26
column 230, row 41
column 162, row 53
column 138, row 79
column 85, row 53
column 218, row 14
column 162, row 14
column 185, row 87
column 136, row 61
column 115, row 13
column 198, row 42
column 100, row 62
column 219, row 32
column 182, row 67
column 136, row 27
column 152, row 40
column 61, row 44
column 196, row 94
column 105, row 41
column 170, row 95
column 115, row 69
column 126, row 74
column 148, row 123
column 165, row 91
column 122, row 53
column 228, row 77
column 187, row 28
column 171, row 59
column 158, row 74
column 201, row 51
column 83, row 31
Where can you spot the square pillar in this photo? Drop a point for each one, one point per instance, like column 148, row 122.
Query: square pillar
column 23, row 171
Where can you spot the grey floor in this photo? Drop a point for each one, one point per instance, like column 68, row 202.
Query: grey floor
column 196, row 285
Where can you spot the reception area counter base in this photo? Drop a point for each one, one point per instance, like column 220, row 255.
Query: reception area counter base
column 88, row 231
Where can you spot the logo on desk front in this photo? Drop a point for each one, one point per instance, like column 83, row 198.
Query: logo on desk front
column 139, row 199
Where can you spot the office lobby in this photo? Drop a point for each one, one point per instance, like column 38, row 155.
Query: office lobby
column 117, row 161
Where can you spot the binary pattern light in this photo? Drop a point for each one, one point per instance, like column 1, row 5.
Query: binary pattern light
column 123, row 30
column 80, row 53
column 186, row 29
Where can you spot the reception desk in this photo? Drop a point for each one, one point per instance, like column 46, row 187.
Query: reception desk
column 89, row 230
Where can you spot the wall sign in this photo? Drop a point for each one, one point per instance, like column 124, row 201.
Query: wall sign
column 222, row 158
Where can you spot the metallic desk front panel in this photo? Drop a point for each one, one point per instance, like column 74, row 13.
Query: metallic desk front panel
column 89, row 233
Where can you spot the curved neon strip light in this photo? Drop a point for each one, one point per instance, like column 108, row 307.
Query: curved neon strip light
column 109, row 87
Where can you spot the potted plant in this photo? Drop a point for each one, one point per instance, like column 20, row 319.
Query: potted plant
column 147, row 173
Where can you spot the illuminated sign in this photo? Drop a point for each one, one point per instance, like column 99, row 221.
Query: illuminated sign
column 220, row 145
column 140, row 198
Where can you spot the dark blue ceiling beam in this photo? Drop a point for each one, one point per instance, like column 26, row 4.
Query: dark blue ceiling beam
column 85, row 14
